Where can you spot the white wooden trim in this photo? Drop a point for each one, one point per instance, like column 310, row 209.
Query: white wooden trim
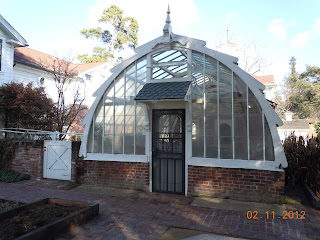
column 12, row 34
column 179, row 41
column 124, row 110
column 204, row 106
column 188, row 143
column 248, row 129
column 104, row 122
column 264, row 136
column 234, row 163
column 116, row 157
column 232, row 116
column 135, row 108
column 218, row 105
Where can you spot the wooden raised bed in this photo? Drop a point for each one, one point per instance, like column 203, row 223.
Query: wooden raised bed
column 51, row 230
column 315, row 201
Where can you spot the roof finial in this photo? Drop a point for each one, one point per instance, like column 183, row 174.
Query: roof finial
column 167, row 28
column 168, row 21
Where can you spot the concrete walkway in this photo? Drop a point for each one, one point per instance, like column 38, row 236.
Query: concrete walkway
column 143, row 215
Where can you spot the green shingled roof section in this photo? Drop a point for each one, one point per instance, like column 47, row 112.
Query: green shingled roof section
column 163, row 90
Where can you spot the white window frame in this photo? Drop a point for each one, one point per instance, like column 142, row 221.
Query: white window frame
column 1, row 54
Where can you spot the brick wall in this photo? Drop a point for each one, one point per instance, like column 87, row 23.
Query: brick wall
column 235, row 183
column 77, row 164
column 28, row 158
column 131, row 175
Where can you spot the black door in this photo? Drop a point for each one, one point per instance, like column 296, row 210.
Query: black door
column 168, row 151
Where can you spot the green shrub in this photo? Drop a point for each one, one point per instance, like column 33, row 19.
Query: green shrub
column 8, row 175
column 303, row 161
column 6, row 153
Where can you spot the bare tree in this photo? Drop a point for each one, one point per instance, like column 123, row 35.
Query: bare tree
column 250, row 54
column 251, row 58
column 70, row 92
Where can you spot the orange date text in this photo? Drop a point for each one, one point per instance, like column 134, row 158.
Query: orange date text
column 271, row 215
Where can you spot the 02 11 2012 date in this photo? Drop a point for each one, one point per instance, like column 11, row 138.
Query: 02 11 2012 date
column 271, row 215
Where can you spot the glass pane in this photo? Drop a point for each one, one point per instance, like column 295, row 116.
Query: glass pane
column 255, row 128
column 211, row 110
column 268, row 142
column 197, row 105
column 140, row 129
column 119, row 115
column 173, row 68
column 240, row 118
column 130, row 80
column 118, row 144
column 109, row 118
column 225, row 90
column 129, row 128
column 141, row 74
column 226, row 139
column 129, row 110
column 119, row 89
column 225, row 112
column 164, row 121
column 98, row 128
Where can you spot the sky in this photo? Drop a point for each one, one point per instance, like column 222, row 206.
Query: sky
column 280, row 29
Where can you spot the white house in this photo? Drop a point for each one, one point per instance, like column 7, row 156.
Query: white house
column 9, row 40
column 22, row 64
column 29, row 67
column 271, row 85
column 297, row 127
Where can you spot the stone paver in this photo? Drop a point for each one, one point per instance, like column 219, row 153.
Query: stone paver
column 149, row 215
column 238, row 205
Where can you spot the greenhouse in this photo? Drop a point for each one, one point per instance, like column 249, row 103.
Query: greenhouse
column 181, row 118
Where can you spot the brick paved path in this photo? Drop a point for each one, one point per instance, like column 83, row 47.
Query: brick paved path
column 149, row 215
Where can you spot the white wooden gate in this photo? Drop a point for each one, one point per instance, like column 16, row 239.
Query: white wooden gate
column 57, row 160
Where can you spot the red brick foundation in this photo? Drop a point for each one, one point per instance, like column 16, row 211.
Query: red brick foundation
column 235, row 183
column 28, row 159
column 131, row 175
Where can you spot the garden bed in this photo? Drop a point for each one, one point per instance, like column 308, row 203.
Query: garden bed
column 314, row 199
column 6, row 205
column 44, row 219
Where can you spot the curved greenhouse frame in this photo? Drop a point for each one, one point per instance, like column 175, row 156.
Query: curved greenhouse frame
column 227, row 122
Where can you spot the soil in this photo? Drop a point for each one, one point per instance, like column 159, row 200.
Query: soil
column 31, row 219
column 6, row 205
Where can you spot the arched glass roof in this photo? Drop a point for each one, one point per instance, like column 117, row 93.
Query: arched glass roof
column 228, row 115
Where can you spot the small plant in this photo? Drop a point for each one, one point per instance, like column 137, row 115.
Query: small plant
column 8, row 175
column 291, row 201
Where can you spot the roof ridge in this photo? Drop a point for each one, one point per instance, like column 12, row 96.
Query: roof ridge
column 43, row 53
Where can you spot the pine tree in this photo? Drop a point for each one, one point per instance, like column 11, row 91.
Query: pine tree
column 124, row 30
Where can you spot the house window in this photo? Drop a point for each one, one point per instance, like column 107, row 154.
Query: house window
column 0, row 53
column 118, row 123
column 227, row 120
